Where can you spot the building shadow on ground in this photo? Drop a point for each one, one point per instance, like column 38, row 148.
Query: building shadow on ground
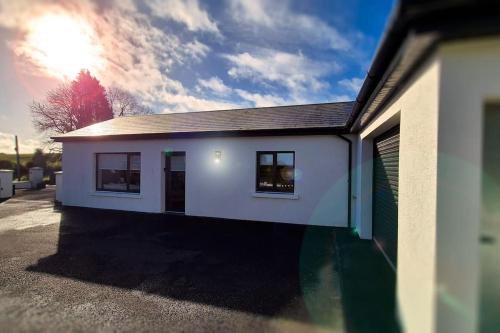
column 275, row 270
column 244, row 266
column 368, row 286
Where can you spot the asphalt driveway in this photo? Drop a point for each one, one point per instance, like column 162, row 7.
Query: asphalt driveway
column 89, row 270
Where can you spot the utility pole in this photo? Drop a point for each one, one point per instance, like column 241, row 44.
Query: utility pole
column 17, row 160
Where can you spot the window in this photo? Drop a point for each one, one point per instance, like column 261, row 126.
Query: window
column 275, row 171
column 118, row 172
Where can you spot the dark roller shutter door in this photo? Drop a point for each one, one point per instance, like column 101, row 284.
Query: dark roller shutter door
column 385, row 192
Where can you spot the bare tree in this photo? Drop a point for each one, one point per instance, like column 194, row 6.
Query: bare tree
column 124, row 103
column 56, row 115
column 72, row 106
column 80, row 103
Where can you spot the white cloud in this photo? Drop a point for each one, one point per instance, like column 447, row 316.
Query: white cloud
column 26, row 146
column 353, row 84
column 261, row 100
column 277, row 19
column 187, row 12
column 340, row 98
column 187, row 103
column 214, row 84
column 197, row 50
column 217, row 86
column 299, row 74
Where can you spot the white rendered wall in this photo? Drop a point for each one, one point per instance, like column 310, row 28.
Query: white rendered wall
column 224, row 189
column 415, row 108
column 470, row 77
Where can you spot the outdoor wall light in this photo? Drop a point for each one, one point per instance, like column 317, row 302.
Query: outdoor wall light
column 218, row 156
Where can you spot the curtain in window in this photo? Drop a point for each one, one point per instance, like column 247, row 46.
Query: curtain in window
column 118, row 172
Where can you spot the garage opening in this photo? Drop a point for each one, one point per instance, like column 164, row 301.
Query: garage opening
column 385, row 194
column 490, row 223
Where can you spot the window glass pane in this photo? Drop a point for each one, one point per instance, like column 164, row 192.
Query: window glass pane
column 284, row 178
column 266, row 159
column 113, row 161
column 278, row 177
column 135, row 162
column 112, row 180
column 113, row 173
column 135, row 181
column 285, row 159
column 266, row 177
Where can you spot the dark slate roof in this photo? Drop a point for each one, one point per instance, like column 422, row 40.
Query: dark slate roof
column 294, row 119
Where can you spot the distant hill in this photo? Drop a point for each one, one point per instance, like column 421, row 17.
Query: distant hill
column 24, row 158
column 12, row 157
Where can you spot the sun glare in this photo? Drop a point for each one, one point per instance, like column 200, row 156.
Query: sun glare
column 63, row 45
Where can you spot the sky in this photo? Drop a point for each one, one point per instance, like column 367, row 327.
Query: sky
column 185, row 55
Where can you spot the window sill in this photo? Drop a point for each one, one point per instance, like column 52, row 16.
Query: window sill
column 276, row 195
column 116, row 194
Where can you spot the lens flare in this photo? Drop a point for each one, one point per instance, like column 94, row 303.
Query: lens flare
column 61, row 45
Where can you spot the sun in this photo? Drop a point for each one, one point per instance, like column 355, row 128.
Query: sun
column 62, row 45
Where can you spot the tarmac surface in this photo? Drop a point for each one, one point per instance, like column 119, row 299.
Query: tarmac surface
column 86, row 270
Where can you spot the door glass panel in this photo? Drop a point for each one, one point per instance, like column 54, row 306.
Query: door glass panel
column 175, row 183
column 178, row 163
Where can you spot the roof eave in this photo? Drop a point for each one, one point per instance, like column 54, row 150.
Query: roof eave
column 407, row 19
column 231, row 133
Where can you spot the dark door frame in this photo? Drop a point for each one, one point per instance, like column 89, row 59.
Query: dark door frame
column 168, row 181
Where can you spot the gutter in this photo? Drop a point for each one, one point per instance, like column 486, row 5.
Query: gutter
column 391, row 40
column 207, row 134
column 445, row 19
column 349, row 178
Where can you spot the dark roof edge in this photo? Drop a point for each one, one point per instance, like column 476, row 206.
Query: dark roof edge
column 387, row 49
column 406, row 17
column 210, row 134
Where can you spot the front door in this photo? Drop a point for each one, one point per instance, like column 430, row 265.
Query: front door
column 175, row 176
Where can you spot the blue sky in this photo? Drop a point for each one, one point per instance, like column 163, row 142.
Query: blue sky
column 188, row 55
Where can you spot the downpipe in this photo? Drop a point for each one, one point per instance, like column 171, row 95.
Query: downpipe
column 349, row 178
